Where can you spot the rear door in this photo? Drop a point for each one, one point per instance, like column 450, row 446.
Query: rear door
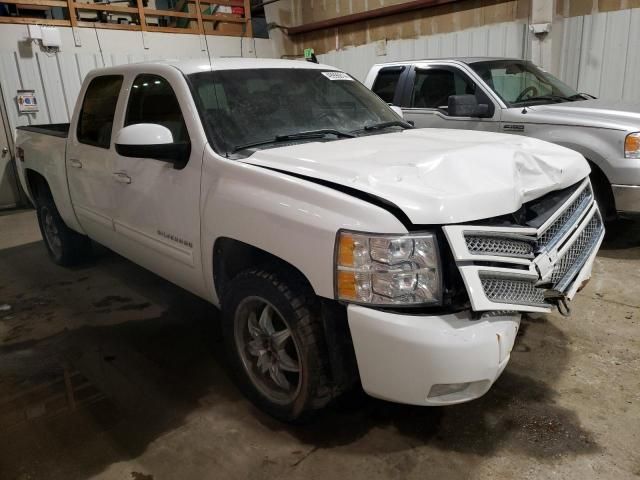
column 157, row 214
column 90, row 157
column 426, row 93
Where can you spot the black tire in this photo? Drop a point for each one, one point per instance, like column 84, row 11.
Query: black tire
column 298, row 307
column 65, row 246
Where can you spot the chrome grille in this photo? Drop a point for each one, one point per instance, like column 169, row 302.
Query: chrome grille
column 513, row 291
column 527, row 264
column 495, row 245
column 566, row 219
column 578, row 251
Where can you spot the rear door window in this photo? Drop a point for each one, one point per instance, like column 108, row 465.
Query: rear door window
column 386, row 83
column 98, row 109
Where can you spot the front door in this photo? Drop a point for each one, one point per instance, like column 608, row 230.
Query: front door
column 90, row 157
column 9, row 193
column 426, row 102
column 157, row 217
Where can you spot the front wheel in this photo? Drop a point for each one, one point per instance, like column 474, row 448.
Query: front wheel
column 65, row 246
column 274, row 338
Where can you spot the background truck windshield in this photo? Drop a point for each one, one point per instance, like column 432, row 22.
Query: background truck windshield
column 520, row 83
column 241, row 107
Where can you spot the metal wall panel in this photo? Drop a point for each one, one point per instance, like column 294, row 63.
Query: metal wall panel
column 502, row 39
column 57, row 77
column 599, row 54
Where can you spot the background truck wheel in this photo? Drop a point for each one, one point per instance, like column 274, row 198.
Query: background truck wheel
column 603, row 193
column 274, row 338
column 65, row 246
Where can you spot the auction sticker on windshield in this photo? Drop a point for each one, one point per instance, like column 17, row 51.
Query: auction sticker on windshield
column 337, row 76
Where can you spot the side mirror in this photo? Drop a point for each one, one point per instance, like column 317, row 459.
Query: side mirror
column 466, row 106
column 150, row 140
column 397, row 110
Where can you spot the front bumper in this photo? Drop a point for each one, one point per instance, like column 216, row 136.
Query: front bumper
column 430, row 359
column 627, row 198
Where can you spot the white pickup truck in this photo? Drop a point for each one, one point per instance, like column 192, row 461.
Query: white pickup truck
column 342, row 245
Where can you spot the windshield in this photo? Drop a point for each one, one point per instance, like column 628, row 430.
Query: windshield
column 261, row 106
column 520, row 83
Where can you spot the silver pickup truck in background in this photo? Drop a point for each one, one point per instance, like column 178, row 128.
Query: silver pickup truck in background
column 515, row 96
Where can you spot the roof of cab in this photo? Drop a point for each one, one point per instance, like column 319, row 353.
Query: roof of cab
column 203, row 65
column 467, row 60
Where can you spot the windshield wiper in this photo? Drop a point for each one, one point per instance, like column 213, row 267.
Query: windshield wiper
column 380, row 126
column 582, row 96
column 320, row 133
column 554, row 98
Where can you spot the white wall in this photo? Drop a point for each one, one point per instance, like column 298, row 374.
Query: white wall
column 501, row 40
column 56, row 78
column 600, row 54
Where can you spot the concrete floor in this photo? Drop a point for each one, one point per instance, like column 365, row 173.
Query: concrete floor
column 107, row 371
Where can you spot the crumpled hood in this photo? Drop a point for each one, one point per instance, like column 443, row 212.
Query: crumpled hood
column 600, row 113
column 436, row 176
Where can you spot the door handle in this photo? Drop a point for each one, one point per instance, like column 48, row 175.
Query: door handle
column 75, row 163
column 122, row 177
column 5, row 150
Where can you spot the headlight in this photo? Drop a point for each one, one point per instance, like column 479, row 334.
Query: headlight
column 632, row 145
column 388, row 269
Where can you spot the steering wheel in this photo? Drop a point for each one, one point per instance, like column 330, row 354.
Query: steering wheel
column 529, row 90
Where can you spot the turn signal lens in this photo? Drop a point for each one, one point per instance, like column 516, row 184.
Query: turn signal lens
column 388, row 269
column 632, row 145
column 346, row 245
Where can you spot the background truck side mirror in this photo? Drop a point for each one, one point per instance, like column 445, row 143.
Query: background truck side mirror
column 466, row 106
column 150, row 140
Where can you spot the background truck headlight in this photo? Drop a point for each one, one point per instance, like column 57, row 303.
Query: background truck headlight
column 632, row 145
column 388, row 269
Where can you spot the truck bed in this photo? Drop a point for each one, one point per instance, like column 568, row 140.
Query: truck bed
column 55, row 129
column 43, row 152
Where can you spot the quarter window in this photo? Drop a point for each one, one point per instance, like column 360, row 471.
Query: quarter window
column 433, row 87
column 98, row 110
column 152, row 100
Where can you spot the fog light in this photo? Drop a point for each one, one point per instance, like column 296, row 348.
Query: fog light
column 441, row 389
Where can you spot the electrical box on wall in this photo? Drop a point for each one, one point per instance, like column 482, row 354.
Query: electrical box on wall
column 51, row 37
column 35, row 32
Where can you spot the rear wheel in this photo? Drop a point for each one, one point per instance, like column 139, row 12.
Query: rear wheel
column 275, row 343
column 65, row 246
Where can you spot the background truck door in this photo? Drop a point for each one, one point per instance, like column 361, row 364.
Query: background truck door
column 90, row 157
column 158, row 206
column 426, row 95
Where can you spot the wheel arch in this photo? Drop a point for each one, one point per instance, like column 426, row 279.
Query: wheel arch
column 599, row 178
column 231, row 256
column 37, row 184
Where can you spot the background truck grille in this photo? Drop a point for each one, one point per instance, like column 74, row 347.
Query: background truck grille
column 513, row 291
column 489, row 245
column 554, row 231
column 579, row 250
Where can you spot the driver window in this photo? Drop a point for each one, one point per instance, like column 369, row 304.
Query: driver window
column 152, row 100
column 433, row 87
